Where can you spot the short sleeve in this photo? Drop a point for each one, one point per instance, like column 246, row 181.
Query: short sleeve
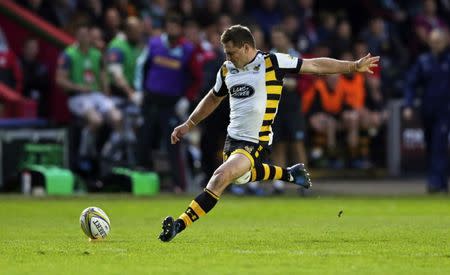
column 220, row 88
column 287, row 64
column 115, row 55
column 64, row 61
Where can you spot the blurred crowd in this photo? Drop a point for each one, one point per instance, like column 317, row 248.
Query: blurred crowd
column 116, row 74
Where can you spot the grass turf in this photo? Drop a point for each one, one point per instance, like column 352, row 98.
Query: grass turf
column 240, row 236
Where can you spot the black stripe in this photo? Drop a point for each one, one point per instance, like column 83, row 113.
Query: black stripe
column 259, row 172
column 206, row 201
column 271, row 110
column 273, row 96
column 267, row 122
column 264, row 133
column 274, row 83
column 271, row 172
column 269, row 69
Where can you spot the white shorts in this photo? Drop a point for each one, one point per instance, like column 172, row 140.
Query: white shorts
column 80, row 104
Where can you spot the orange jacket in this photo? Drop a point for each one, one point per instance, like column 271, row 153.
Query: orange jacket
column 330, row 101
column 354, row 90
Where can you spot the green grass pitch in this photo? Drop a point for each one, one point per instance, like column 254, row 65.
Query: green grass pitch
column 287, row 235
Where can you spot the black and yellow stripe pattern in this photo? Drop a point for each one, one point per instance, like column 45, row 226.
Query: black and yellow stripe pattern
column 201, row 205
column 263, row 171
column 273, row 91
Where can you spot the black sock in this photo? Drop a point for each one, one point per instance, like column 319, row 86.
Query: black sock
column 201, row 205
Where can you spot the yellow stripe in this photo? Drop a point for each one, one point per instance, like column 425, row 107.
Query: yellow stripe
column 274, row 89
column 186, row 219
column 272, row 104
column 266, row 171
column 224, row 157
column 211, row 193
column 245, row 153
column 269, row 116
column 265, row 128
column 270, row 76
column 253, row 175
column 268, row 62
column 278, row 173
column 256, row 154
column 264, row 138
column 197, row 209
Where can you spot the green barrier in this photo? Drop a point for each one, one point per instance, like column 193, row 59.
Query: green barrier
column 142, row 183
column 58, row 181
column 47, row 154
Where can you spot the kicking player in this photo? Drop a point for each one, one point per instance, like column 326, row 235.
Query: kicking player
column 254, row 81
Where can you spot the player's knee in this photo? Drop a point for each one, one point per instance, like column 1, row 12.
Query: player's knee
column 221, row 178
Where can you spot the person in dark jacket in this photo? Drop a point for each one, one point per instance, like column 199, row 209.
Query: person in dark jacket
column 432, row 72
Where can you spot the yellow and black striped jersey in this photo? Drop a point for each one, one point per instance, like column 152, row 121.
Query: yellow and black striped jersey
column 254, row 93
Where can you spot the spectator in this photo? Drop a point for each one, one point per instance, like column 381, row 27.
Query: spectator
column 343, row 38
column 112, row 24
column 236, row 10
column 432, row 71
column 171, row 81
column 356, row 116
column 123, row 51
column 427, row 20
column 10, row 70
column 80, row 73
column 209, row 14
column 289, row 126
column 96, row 36
column 267, row 15
column 36, row 78
column 323, row 104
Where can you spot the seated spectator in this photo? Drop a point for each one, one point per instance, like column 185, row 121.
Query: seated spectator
column 80, row 73
column 10, row 71
column 357, row 116
column 322, row 103
column 36, row 78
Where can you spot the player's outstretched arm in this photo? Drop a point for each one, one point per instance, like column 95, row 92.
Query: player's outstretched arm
column 324, row 65
column 206, row 106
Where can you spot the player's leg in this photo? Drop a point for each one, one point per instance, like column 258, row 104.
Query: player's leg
column 234, row 167
column 437, row 175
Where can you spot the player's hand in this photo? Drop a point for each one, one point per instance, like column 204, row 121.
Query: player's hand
column 366, row 63
column 407, row 113
column 179, row 132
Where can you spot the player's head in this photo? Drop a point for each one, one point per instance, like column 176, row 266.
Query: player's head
column 133, row 28
column 82, row 35
column 438, row 40
column 174, row 26
column 279, row 38
column 96, row 36
column 239, row 45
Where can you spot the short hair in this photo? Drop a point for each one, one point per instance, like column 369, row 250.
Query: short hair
column 239, row 35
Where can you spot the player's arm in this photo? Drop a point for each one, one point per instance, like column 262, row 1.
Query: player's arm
column 115, row 68
column 412, row 80
column 325, row 65
column 206, row 106
column 62, row 76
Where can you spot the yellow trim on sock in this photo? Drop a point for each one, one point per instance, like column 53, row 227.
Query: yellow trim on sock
column 211, row 193
column 186, row 219
column 245, row 153
column 266, row 171
column 197, row 209
column 278, row 173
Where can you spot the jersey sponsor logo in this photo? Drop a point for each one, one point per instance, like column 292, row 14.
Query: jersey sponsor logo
column 242, row 91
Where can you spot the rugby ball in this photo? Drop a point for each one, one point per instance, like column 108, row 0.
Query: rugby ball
column 95, row 223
